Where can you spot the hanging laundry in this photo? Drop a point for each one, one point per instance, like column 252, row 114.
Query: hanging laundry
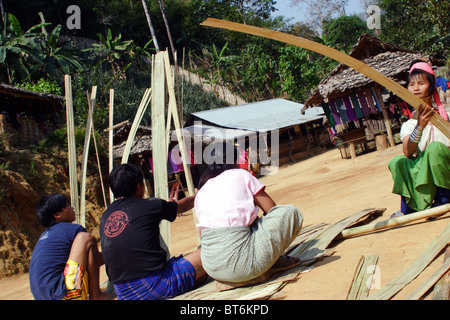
column 341, row 109
column 334, row 111
column 326, row 109
column 443, row 83
column 369, row 98
column 377, row 100
column 363, row 103
column 356, row 106
column 348, row 107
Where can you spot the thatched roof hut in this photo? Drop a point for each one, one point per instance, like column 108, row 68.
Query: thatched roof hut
column 26, row 115
column 386, row 58
column 351, row 99
column 142, row 144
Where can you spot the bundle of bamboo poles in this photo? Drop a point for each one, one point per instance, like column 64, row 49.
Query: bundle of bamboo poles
column 162, row 80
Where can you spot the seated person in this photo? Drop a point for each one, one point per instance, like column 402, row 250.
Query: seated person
column 237, row 245
column 65, row 261
column 135, row 259
column 421, row 175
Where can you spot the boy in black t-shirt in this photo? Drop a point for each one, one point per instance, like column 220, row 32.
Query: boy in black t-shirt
column 129, row 231
column 64, row 256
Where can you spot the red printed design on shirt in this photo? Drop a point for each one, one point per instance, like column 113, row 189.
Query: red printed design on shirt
column 115, row 224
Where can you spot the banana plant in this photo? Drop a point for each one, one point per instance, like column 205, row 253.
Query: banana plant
column 19, row 52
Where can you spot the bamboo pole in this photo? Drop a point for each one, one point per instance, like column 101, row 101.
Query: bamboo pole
column 87, row 139
column 159, row 140
column 73, row 180
column 359, row 66
column 110, row 138
column 179, row 133
column 137, row 120
column 396, row 221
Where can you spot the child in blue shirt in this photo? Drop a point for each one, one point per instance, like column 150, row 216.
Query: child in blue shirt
column 65, row 262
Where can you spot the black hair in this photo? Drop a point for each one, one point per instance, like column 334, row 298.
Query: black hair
column 48, row 206
column 417, row 72
column 124, row 180
column 221, row 156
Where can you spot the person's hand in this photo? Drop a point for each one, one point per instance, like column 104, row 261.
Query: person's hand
column 424, row 115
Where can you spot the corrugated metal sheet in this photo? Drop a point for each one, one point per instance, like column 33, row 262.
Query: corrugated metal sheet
column 261, row 116
column 210, row 133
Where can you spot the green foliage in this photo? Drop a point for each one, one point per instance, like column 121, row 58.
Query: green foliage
column 342, row 33
column 418, row 25
column 42, row 85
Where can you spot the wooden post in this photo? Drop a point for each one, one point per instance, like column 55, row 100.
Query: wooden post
column 110, row 146
column 159, row 143
column 387, row 123
column 73, row 180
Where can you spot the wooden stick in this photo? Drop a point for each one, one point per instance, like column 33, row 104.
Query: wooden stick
column 396, row 221
column 359, row 66
column 73, row 180
column 111, row 136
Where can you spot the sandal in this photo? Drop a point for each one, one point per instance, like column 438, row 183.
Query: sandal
column 285, row 262
column 397, row 214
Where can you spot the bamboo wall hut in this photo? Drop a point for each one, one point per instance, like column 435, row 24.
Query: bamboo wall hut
column 27, row 117
column 359, row 109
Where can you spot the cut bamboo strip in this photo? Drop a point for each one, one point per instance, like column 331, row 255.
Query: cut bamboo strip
column 314, row 247
column 72, row 158
column 159, row 143
column 137, row 120
column 442, row 288
column 427, row 256
column 110, row 139
column 358, row 65
column 426, row 286
column 396, row 221
column 87, row 139
column 362, row 280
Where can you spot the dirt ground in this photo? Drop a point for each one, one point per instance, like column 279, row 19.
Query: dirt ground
column 326, row 189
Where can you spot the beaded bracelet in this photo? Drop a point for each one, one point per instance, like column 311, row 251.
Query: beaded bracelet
column 416, row 134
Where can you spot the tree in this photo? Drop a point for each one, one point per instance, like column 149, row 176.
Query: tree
column 150, row 25
column 343, row 32
column 56, row 57
column 417, row 25
column 113, row 48
column 320, row 11
column 19, row 52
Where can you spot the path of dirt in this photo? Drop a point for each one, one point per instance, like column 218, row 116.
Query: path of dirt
column 326, row 189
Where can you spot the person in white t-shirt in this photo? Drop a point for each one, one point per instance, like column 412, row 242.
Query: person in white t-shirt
column 238, row 245
column 422, row 174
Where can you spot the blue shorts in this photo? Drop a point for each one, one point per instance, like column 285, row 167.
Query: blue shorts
column 176, row 278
